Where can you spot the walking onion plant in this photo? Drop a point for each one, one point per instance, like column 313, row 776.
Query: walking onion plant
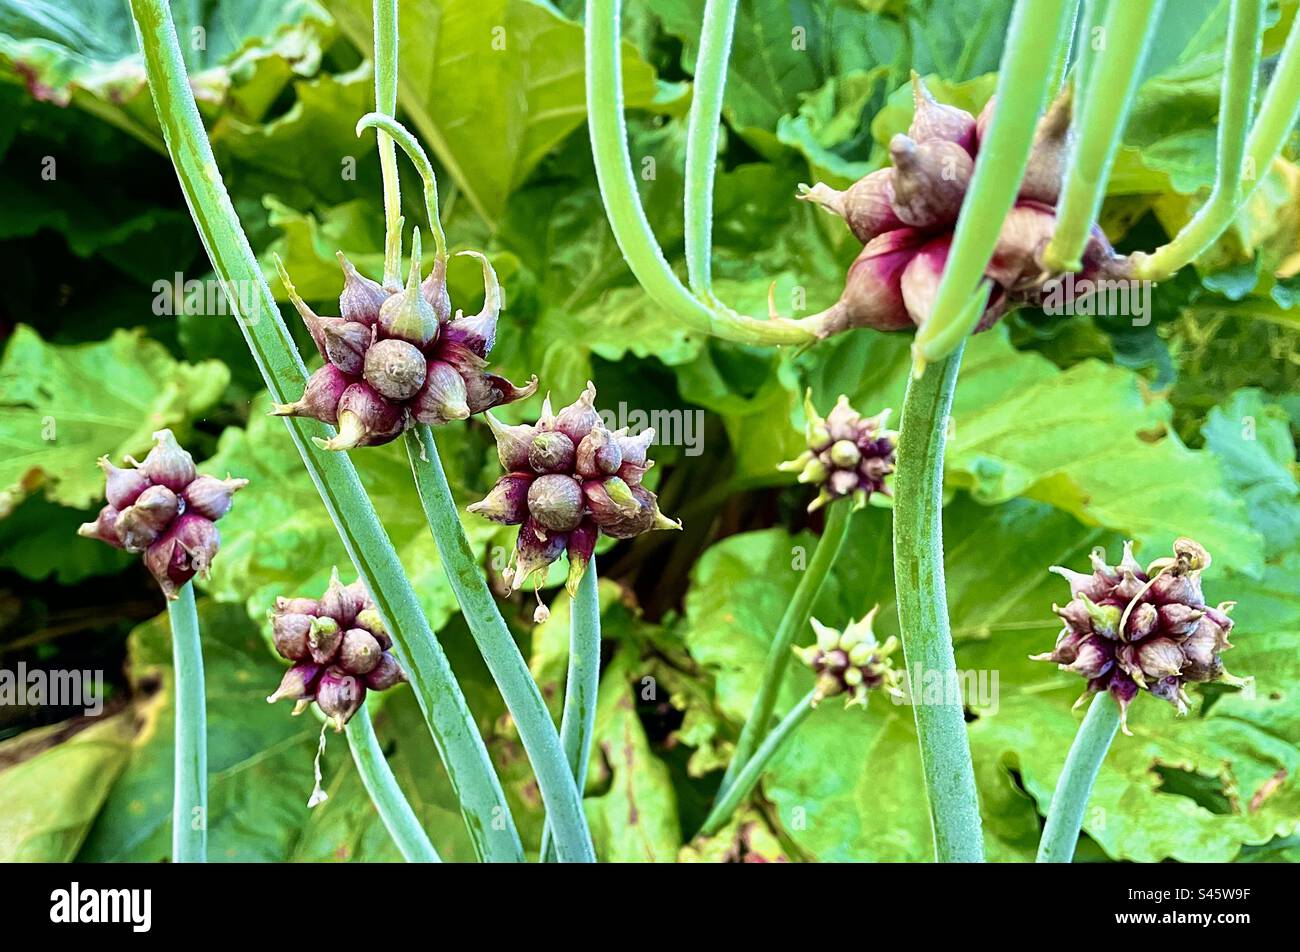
column 973, row 216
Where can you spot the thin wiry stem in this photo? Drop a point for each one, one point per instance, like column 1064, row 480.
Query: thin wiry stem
column 1090, row 39
column 386, row 103
column 793, row 621
column 394, row 131
column 747, row 777
column 1241, row 166
column 623, row 208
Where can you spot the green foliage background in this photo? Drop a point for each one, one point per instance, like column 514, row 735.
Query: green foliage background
column 1068, row 433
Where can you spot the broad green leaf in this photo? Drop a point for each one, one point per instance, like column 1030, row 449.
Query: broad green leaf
column 635, row 818
column 52, row 786
column 1252, row 438
column 311, row 154
column 36, row 541
column 782, row 51
column 65, row 406
column 747, row 838
column 240, row 53
column 490, row 86
column 99, row 191
column 829, row 128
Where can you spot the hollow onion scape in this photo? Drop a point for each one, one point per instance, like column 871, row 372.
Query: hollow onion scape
column 568, row 479
column 581, row 686
column 418, row 367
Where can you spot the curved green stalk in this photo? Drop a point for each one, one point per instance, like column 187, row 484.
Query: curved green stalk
column 1094, row 15
column 1112, row 84
column 190, row 780
column 1065, row 46
column 582, row 684
column 1023, row 85
column 377, row 777
column 386, row 102
column 497, row 646
column 1065, row 816
column 623, row 208
column 793, row 621
column 393, row 130
column 923, row 612
column 702, row 139
column 730, row 797
column 1236, row 181
column 454, row 731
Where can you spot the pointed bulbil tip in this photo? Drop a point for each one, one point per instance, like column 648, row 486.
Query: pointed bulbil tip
column 406, row 315
column 664, row 522
column 361, row 297
column 513, row 442
column 480, row 330
column 413, row 275
column 902, row 151
column 831, row 199
column 351, row 434
column 314, row 322
column 920, row 93
column 443, row 397
column 822, row 499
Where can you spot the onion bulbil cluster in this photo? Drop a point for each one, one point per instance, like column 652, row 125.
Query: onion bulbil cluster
column 1129, row 629
column 847, row 455
column 339, row 647
column 396, row 357
column 850, row 662
column 569, row 478
column 163, row 509
column 905, row 214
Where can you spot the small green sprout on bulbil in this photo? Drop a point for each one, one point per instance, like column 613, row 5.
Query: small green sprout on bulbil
column 851, row 662
column 1129, row 629
column 847, row 455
